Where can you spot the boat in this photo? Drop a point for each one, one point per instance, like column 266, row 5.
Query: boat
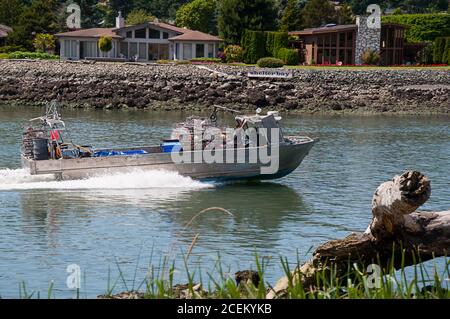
column 265, row 155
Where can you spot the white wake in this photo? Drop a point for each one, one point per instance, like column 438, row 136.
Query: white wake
column 20, row 179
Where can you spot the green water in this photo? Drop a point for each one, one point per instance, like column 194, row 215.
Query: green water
column 133, row 219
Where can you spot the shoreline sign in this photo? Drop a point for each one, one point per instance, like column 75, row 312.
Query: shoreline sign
column 280, row 74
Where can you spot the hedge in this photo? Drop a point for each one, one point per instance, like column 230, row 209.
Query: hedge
column 275, row 41
column 441, row 50
column 270, row 63
column 446, row 54
column 11, row 48
column 32, row 55
column 206, row 60
column 422, row 27
column 288, row 56
column 254, row 44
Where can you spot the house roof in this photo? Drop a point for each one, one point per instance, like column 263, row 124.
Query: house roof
column 4, row 30
column 90, row 33
column 339, row 28
column 183, row 34
column 190, row 35
column 331, row 29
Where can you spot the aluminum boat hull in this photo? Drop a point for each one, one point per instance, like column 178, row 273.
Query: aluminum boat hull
column 290, row 157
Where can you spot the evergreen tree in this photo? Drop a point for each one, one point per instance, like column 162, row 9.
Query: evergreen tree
column 317, row 13
column 291, row 18
column 39, row 17
column 10, row 11
column 345, row 15
column 234, row 16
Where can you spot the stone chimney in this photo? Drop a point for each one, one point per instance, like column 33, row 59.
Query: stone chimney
column 120, row 21
column 368, row 37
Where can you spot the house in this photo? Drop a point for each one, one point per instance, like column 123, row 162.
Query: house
column 4, row 31
column 144, row 42
column 345, row 44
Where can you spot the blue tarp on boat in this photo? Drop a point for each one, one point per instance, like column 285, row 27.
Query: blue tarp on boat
column 118, row 153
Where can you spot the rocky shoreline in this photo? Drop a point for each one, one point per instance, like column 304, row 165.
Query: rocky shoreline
column 190, row 87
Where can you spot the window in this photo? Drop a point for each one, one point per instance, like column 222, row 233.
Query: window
column 187, row 51
column 67, row 48
column 133, row 49
column 333, row 39
column 211, row 50
column 177, row 51
column 142, row 53
column 153, row 51
column 124, row 49
column 153, row 34
column 88, row 49
column 199, row 50
column 73, row 49
column 139, row 34
column 129, row 34
column 163, row 51
column 158, row 51
column 342, row 39
column 165, row 35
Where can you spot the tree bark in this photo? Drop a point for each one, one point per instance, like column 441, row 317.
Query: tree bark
column 395, row 231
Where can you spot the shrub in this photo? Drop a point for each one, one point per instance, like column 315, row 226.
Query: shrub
column 288, row 56
column 254, row 44
column 275, row 41
column 44, row 42
column 32, row 55
column 438, row 49
column 234, row 53
column 207, row 60
column 422, row 27
column 270, row 63
column 446, row 54
column 11, row 48
column 425, row 56
column 4, row 56
column 371, row 57
column 182, row 62
column 105, row 44
column 165, row 61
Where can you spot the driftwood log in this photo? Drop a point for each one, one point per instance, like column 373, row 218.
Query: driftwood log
column 396, row 230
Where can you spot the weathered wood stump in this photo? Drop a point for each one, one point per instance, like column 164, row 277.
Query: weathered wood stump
column 395, row 231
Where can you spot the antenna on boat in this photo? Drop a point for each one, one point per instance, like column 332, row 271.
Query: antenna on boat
column 52, row 109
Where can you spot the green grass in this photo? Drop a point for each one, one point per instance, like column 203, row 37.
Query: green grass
column 414, row 282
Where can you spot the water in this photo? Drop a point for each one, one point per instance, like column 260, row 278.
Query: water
column 127, row 221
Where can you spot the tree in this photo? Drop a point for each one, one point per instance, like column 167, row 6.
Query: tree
column 39, row 17
column 234, row 16
column 139, row 16
column 105, row 44
column 317, row 13
column 198, row 15
column 10, row 11
column 91, row 13
column 44, row 42
column 345, row 15
column 163, row 9
column 290, row 19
